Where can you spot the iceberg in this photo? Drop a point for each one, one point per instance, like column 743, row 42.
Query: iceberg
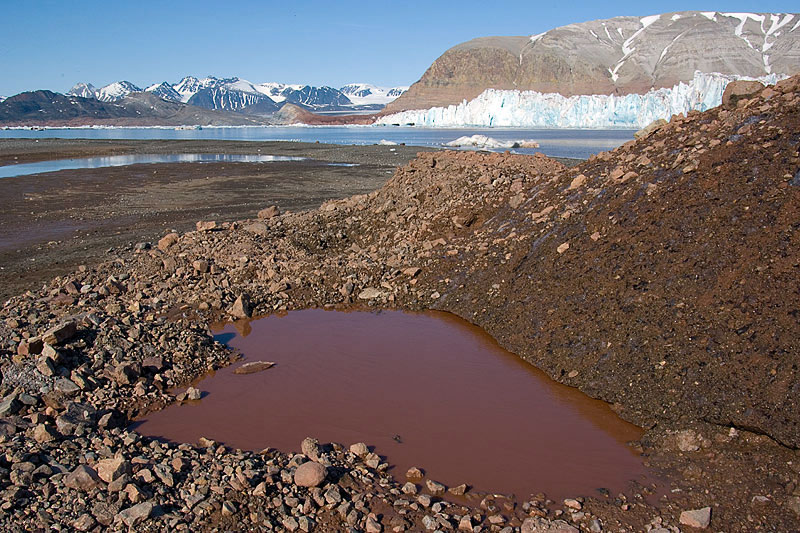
column 531, row 109
column 482, row 141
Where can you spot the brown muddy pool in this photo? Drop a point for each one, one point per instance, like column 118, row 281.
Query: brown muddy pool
column 424, row 389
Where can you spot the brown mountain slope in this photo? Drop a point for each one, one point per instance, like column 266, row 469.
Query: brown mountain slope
column 620, row 55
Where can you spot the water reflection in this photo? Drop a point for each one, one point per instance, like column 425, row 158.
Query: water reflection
column 25, row 169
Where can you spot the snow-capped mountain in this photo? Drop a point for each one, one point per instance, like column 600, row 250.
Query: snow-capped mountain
column 236, row 94
column 164, row 90
column 84, row 90
column 3, row 98
column 116, row 91
column 620, row 55
column 531, row 109
column 366, row 94
column 110, row 93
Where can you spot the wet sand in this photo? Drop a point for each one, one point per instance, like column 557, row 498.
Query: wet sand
column 423, row 389
column 52, row 223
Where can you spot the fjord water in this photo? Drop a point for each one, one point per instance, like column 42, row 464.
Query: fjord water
column 427, row 390
column 552, row 142
column 25, row 169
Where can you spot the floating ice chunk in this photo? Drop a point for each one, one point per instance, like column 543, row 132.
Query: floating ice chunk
column 483, row 141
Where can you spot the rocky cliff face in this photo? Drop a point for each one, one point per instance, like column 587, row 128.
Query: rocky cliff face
column 621, row 55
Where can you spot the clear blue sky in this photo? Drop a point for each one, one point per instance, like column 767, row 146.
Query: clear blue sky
column 48, row 44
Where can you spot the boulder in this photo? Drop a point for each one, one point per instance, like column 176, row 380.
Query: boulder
column 310, row 474
column 737, row 90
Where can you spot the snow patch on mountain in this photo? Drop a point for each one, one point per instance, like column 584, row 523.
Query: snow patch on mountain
column 531, row 109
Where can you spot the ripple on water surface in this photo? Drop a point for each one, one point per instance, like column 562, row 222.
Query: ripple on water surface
column 426, row 389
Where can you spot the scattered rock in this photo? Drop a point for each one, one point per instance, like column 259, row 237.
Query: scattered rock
column 193, row 394
column 135, row 515
column 257, row 228
column 83, row 478
column 699, row 518
column 206, row 225
column 370, row 293
column 167, row 241
column 270, row 212
column 241, row 308
column 359, row 448
column 61, row 333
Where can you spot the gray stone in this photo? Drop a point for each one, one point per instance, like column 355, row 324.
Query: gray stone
column 370, row 293
column 136, row 514
column 82, row 478
column 66, row 386
column 310, row 448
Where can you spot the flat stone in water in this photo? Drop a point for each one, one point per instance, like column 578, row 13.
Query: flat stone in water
column 253, row 367
column 425, row 389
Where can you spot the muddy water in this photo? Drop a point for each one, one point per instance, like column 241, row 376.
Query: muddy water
column 426, row 390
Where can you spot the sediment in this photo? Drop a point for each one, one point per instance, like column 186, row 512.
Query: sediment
column 660, row 277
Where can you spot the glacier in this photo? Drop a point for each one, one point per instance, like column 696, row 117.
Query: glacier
column 531, row 109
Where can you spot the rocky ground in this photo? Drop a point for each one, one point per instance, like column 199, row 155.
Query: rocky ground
column 52, row 223
column 660, row 277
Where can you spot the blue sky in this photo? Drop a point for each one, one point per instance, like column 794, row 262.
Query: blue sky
column 54, row 44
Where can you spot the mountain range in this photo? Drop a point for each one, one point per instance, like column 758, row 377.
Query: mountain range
column 242, row 96
column 46, row 108
column 617, row 56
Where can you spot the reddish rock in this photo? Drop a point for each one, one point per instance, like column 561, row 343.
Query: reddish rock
column 269, row 212
column 737, row 90
column 167, row 240
column 310, row 474
column 61, row 333
column 83, row 478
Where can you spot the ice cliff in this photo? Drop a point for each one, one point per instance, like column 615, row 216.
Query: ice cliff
column 531, row 109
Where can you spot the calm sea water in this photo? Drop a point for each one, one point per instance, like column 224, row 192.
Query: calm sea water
column 555, row 143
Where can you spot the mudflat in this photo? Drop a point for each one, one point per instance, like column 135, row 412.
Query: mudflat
column 53, row 222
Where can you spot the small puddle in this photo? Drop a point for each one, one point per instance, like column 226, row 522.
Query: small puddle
column 425, row 389
column 26, row 169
